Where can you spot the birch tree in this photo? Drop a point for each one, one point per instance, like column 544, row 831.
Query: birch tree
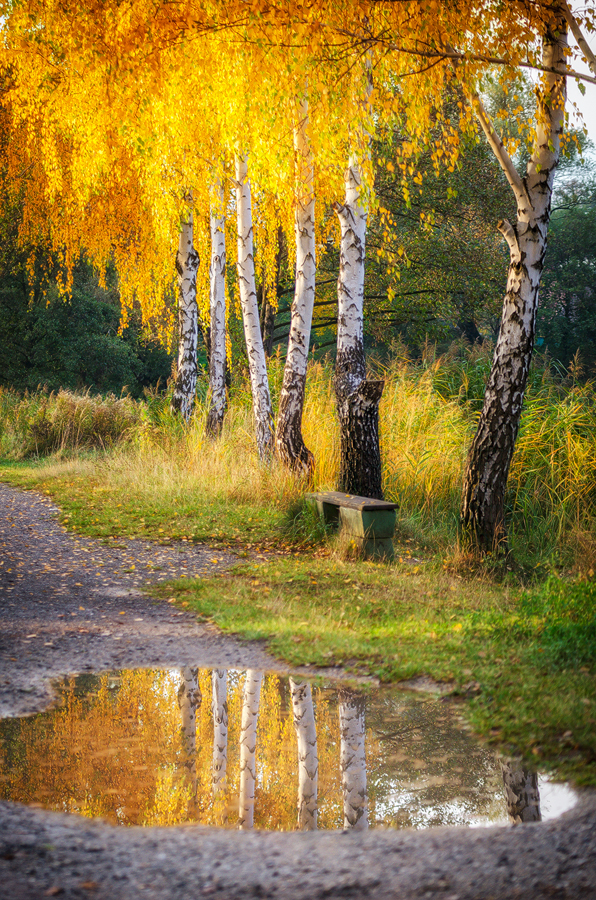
column 357, row 398
column 289, row 441
column 483, row 496
column 353, row 760
column 248, row 746
column 187, row 263
column 308, row 760
column 189, row 701
column 257, row 365
column 217, row 305
column 219, row 711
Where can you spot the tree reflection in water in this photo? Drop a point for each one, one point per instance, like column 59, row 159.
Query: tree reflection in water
column 521, row 792
column 139, row 747
column 308, row 760
column 189, row 700
column 352, row 759
column 219, row 711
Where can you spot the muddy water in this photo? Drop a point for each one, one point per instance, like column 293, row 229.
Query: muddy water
column 252, row 749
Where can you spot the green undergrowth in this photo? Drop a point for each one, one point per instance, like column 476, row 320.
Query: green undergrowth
column 90, row 505
column 522, row 661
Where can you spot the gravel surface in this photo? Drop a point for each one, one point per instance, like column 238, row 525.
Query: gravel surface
column 71, row 604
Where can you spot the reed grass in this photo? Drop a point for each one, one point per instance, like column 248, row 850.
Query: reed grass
column 41, row 423
column 427, row 418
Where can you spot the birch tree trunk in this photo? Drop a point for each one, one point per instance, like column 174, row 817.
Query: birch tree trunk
column 289, row 442
column 187, row 264
column 248, row 745
column 483, row 496
column 308, row 760
column 521, row 792
column 217, row 356
column 352, row 760
column 357, row 399
column 219, row 710
column 189, row 701
column 261, row 398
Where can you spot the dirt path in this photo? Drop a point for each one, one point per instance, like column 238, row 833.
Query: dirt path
column 73, row 604
column 70, row 604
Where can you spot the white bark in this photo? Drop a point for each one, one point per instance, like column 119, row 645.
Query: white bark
column 248, row 745
column 189, row 701
column 352, row 760
column 219, row 709
column 289, row 442
column 308, row 760
column 492, row 448
column 217, row 275
column 357, row 399
column 350, row 285
column 187, row 264
column 263, row 412
column 579, row 36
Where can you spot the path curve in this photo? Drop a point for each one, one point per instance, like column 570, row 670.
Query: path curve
column 70, row 604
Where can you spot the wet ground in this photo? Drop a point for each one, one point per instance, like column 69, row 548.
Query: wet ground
column 71, row 605
column 165, row 747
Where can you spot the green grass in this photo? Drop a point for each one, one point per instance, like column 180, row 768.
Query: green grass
column 520, row 659
column 90, row 505
column 498, row 647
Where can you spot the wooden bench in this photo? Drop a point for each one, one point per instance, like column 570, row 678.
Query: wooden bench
column 370, row 523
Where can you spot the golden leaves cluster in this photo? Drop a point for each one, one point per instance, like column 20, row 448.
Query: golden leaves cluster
column 118, row 108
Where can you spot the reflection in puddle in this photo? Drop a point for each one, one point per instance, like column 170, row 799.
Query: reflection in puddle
column 251, row 749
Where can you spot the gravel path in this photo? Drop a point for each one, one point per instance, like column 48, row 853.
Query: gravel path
column 70, row 604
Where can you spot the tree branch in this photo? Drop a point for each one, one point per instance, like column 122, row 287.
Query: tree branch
column 498, row 148
column 578, row 35
column 508, row 232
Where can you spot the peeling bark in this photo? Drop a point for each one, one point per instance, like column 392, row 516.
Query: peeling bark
column 308, row 760
column 489, row 460
column 357, row 399
column 352, row 760
column 289, row 442
column 187, row 264
column 217, row 356
column 261, row 398
column 248, row 746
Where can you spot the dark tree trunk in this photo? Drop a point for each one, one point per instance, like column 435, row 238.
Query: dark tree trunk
column 469, row 330
column 358, row 412
column 267, row 327
column 289, row 441
column 206, row 337
column 360, row 466
column 485, row 481
column 521, row 792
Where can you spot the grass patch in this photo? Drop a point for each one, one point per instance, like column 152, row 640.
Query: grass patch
column 499, row 646
column 521, row 660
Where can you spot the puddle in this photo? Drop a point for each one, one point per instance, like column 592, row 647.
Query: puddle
column 251, row 749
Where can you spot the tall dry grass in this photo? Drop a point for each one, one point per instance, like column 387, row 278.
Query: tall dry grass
column 40, row 423
column 427, row 419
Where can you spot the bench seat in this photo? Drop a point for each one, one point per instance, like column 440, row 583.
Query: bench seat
column 370, row 523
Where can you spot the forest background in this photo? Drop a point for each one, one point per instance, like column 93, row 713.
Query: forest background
column 516, row 635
